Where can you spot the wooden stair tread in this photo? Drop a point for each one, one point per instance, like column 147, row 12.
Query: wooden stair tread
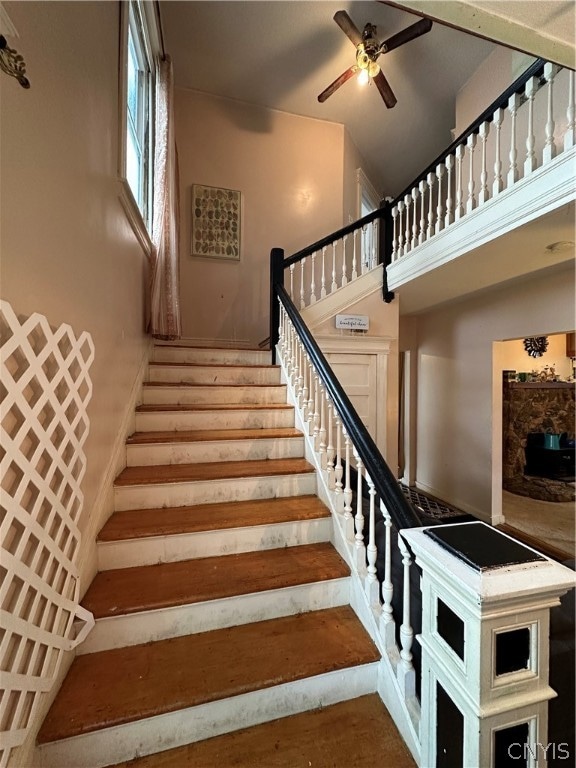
column 149, row 408
column 151, row 587
column 213, row 384
column 205, row 435
column 143, row 523
column 123, row 685
column 358, row 733
column 214, row 470
column 212, row 365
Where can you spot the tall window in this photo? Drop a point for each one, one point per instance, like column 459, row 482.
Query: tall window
column 139, row 51
column 368, row 201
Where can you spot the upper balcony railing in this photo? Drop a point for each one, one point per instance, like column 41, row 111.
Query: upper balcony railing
column 529, row 125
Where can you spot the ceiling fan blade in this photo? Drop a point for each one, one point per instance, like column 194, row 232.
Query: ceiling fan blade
column 344, row 77
column 405, row 35
column 348, row 27
column 385, row 90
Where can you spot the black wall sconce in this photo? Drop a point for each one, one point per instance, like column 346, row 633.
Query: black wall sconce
column 12, row 63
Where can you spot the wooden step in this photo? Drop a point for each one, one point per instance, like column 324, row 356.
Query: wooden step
column 165, row 393
column 214, row 373
column 218, row 470
column 124, row 685
column 218, row 355
column 176, row 485
column 214, row 416
column 131, row 590
column 141, row 523
column 149, row 603
column 352, row 734
column 148, row 536
column 201, row 446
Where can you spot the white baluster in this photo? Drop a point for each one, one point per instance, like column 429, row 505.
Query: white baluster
column 302, row 263
column 484, row 193
column 459, row 212
column 354, row 257
column 394, row 233
column 322, row 429
column 471, row 198
column 406, row 677
column 305, row 376
column 299, row 375
column 333, row 286
column 359, row 548
column 316, row 419
column 422, row 227
column 570, row 135
column 387, row 623
column 513, row 104
column 338, row 470
column 323, row 276
column 371, row 585
column 293, row 356
column 313, row 281
column 344, row 275
column 363, row 247
column 330, row 446
column 431, row 179
column 414, row 241
column 530, row 162
column 498, row 184
column 439, row 226
column 292, row 281
column 407, row 203
column 449, row 218
column 401, row 207
column 310, row 416
column 373, row 242
column 348, row 518
column 550, row 71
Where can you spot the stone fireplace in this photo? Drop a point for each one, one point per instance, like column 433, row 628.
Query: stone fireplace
column 532, row 409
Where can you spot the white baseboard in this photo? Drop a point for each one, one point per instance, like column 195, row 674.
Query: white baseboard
column 104, row 502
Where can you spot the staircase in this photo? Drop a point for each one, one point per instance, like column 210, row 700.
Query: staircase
column 220, row 603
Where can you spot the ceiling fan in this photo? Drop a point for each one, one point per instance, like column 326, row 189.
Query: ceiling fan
column 368, row 49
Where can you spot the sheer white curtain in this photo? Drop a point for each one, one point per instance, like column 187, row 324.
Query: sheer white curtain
column 165, row 288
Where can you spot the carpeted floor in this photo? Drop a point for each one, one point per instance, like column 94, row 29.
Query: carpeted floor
column 553, row 523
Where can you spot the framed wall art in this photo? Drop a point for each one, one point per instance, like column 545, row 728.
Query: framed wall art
column 216, row 222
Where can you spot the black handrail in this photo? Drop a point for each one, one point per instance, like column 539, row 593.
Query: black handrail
column 386, row 485
column 534, row 70
column 338, row 235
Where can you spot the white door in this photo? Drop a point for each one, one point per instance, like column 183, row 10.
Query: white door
column 357, row 374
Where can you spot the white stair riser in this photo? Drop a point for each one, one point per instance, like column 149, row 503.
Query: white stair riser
column 155, row 734
column 152, row 395
column 165, row 354
column 228, row 541
column 217, row 450
column 214, row 375
column 212, row 491
column 259, row 418
column 133, row 629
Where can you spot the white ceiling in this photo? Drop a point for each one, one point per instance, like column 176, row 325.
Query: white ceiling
column 283, row 54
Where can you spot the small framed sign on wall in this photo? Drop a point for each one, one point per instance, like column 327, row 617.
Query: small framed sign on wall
column 216, row 222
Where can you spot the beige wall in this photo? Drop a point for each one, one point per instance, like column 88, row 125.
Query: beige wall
column 455, row 379
column 289, row 170
column 67, row 250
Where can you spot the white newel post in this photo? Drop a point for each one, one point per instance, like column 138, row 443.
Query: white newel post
column 486, row 603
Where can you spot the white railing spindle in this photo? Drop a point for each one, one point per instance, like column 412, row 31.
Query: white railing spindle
column 498, row 184
column 414, row 241
column 460, row 151
column 513, row 104
column 430, row 227
column 371, row 585
column 484, row 193
column 348, row 518
column 322, row 428
column 549, row 152
column 401, row 208
column 359, row 547
column 449, row 218
column 530, row 162
column 330, row 446
column 394, row 233
column 302, row 302
column 344, row 268
column 570, row 135
column 407, row 204
column 323, row 275
column 313, row 280
column 387, row 623
column 422, row 229
column 439, row 226
column 354, row 257
column 333, row 285
column 292, row 281
column 406, row 675
column 338, row 469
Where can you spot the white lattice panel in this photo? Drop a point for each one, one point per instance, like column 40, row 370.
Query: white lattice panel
column 44, row 391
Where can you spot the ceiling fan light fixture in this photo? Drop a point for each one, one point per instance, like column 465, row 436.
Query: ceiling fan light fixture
column 363, row 77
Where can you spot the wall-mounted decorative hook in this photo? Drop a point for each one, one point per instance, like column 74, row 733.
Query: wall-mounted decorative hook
column 12, row 63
